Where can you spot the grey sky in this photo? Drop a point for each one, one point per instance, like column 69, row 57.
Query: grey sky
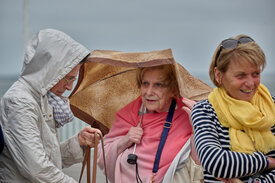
column 192, row 28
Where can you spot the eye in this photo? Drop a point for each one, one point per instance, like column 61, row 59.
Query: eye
column 69, row 79
column 240, row 76
column 158, row 85
column 144, row 84
column 256, row 74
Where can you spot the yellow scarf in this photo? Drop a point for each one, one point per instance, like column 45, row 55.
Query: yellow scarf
column 249, row 123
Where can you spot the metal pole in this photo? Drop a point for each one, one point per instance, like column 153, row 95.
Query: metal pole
column 25, row 23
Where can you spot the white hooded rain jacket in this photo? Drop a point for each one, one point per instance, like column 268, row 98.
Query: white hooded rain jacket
column 33, row 152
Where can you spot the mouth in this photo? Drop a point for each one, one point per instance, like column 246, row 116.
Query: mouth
column 150, row 100
column 247, row 91
column 59, row 93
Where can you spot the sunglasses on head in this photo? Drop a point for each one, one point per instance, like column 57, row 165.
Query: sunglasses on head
column 233, row 43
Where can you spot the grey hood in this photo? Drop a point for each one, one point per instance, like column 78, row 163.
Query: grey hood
column 49, row 56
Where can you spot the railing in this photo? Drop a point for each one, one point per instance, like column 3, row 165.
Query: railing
column 71, row 129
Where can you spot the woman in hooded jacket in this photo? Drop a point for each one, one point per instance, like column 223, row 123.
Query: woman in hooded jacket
column 33, row 108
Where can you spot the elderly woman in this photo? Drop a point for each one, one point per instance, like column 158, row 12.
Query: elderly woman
column 34, row 107
column 234, row 128
column 149, row 132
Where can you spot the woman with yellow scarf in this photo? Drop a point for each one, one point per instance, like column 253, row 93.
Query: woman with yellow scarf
column 234, row 128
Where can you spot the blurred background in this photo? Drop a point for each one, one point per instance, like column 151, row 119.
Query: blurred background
column 192, row 29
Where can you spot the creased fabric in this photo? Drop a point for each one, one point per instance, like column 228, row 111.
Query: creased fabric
column 33, row 152
column 183, row 169
column 249, row 123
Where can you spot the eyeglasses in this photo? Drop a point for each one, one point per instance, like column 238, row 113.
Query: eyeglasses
column 233, row 43
column 69, row 80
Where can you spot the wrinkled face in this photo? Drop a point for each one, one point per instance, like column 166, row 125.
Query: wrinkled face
column 66, row 83
column 241, row 80
column 155, row 96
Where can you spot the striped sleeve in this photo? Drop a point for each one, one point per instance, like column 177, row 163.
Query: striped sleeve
column 213, row 147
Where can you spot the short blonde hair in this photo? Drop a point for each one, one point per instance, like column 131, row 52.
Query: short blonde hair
column 169, row 75
column 250, row 51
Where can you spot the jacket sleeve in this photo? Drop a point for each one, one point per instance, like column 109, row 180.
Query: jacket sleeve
column 71, row 152
column 24, row 143
column 216, row 159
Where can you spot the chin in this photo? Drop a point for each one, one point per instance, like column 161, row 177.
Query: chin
column 248, row 99
column 150, row 110
column 59, row 94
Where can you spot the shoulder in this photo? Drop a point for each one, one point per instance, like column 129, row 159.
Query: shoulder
column 18, row 99
column 132, row 106
column 203, row 105
column 204, row 111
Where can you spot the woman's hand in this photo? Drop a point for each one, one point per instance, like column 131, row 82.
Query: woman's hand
column 86, row 136
column 271, row 163
column 193, row 153
column 188, row 105
column 233, row 180
column 132, row 137
column 188, row 108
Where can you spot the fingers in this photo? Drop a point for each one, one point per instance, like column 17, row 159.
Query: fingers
column 187, row 110
column 193, row 153
column 232, row 180
column 92, row 130
column 86, row 136
column 135, row 134
column 189, row 103
column 188, row 106
column 271, row 163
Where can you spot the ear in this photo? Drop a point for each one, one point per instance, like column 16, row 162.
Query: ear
column 218, row 75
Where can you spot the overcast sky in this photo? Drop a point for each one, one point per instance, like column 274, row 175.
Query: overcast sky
column 191, row 28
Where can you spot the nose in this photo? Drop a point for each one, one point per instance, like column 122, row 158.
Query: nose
column 150, row 90
column 69, row 86
column 249, row 82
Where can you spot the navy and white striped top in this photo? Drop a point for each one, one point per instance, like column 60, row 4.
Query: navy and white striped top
column 213, row 147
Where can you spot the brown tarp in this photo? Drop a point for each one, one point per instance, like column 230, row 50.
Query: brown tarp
column 107, row 83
